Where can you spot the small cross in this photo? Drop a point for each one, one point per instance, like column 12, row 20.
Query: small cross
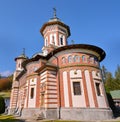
column 54, row 10
column 23, row 51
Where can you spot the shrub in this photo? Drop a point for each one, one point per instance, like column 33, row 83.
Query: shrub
column 2, row 105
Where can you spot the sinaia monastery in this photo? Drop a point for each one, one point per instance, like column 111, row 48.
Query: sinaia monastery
column 62, row 82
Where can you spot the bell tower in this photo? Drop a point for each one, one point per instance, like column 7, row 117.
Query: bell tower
column 55, row 34
column 19, row 60
column 15, row 86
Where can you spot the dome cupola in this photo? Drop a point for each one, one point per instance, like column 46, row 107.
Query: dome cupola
column 19, row 60
column 55, row 34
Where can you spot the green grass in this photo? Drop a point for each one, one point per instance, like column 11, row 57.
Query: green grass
column 8, row 118
column 75, row 121
column 61, row 121
column 5, row 94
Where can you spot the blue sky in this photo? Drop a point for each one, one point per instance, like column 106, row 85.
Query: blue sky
column 94, row 22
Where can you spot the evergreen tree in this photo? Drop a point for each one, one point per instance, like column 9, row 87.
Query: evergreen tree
column 111, row 83
column 117, row 73
column 104, row 71
column 108, row 81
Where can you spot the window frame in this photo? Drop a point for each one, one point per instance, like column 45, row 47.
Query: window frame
column 76, row 58
column 32, row 90
column 70, row 59
column 63, row 60
column 53, row 39
column 77, row 88
column 61, row 40
column 98, row 89
column 83, row 58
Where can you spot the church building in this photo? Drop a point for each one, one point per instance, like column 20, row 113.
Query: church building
column 62, row 82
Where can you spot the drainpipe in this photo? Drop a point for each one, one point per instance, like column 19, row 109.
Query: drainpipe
column 59, row 86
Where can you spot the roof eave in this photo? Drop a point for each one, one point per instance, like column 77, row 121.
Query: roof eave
column 100, row 51
column 53, row 23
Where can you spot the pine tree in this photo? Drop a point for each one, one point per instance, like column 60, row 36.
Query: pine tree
column 111, row 83
column 117, row 73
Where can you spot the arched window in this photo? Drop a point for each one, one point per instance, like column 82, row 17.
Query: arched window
column 53, row 40
column 77, row 58
column 83, row 58
column 70, row 60
column 96, row 60
column 91, row 59
column 61, row 40
column 63, row 60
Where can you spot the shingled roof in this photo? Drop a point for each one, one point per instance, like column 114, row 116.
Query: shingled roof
column 115, row 94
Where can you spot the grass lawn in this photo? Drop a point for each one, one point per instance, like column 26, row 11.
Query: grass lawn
column 8, row 118
column 78, row 121
column 5, row 94
column 61, row 121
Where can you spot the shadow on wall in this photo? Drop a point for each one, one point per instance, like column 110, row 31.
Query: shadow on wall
column 115, row 109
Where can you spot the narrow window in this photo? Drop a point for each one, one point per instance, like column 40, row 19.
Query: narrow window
column 76, row 88
column 61, row 40
column 63, row 60
column 70, row 60
column 98, row 89
column 91, row 59
column 32, row 93
column 77, row 58
column 96, row 60
column 53, row 40
column 83, row 58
